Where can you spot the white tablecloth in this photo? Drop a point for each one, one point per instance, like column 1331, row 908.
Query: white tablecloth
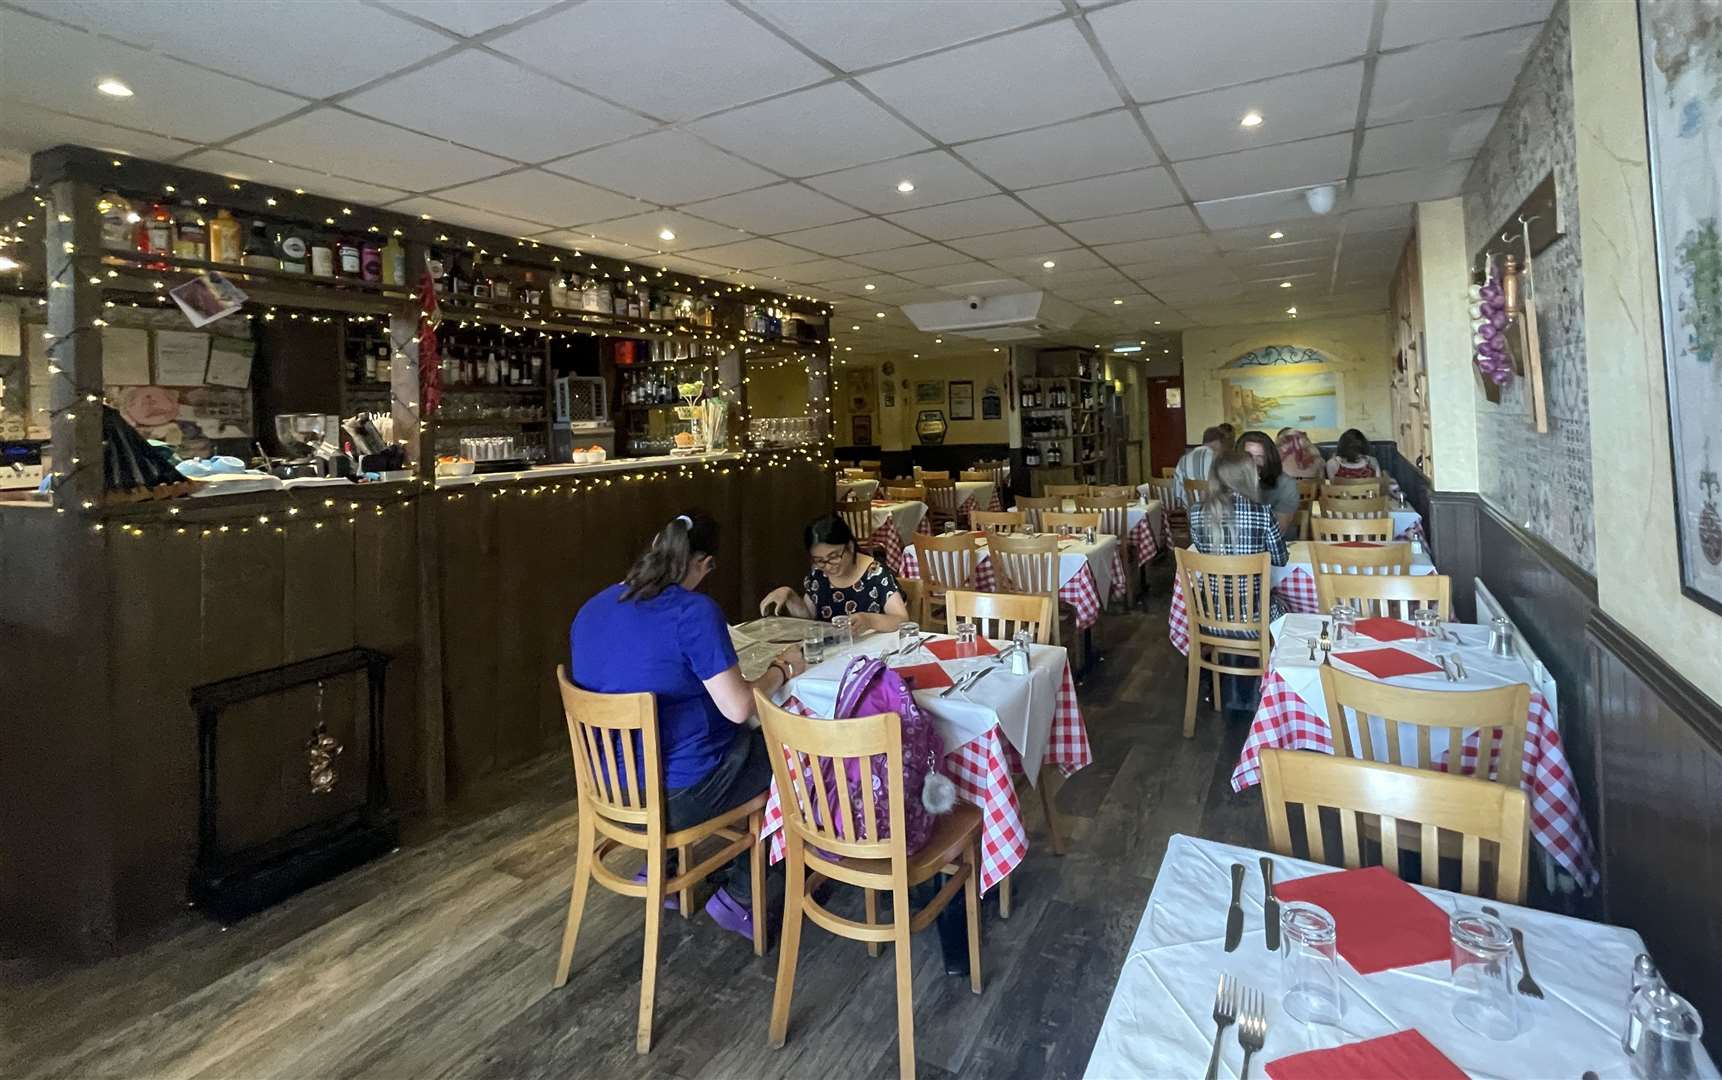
column 1303, row 558
column 979, row 491
column 857, row 489
column 1160, row 1024
column 906, row 515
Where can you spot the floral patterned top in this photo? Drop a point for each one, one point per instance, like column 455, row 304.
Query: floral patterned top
column 869, row 593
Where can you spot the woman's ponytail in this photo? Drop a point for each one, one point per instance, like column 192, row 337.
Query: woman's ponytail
column 673, row 550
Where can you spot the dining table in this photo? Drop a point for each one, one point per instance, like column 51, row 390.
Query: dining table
column 894, row 520
column 1159, row 1021
column 1293, row 715
column 1002, row 726
column 975, row 495
column 1087, row 573
column 857, row 489
column 1407, row 522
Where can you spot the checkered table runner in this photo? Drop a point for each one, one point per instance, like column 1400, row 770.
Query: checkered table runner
column 1285, row 721
column 1296, row 593
column 982, row 770
column 1081, row 592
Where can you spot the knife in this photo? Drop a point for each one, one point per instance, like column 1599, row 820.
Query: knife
column 1270, row 905
column 1235, row 915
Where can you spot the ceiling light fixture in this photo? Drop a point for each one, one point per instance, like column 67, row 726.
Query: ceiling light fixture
column 666, row 234
column 114, row 88
column 1048, row 265
column 1117, row 301
column 1126, row 348
column 8, row 264
column 1276, row 235
column 854, row 326
column 1251, row 119
column 869, row 286
column 1292, row 310
column 905, row 186
column 1156, row 322
column 938, row 341
column 1285, row 284
column 878, row 314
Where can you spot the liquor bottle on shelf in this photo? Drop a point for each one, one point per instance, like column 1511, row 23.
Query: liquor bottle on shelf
column 501, row 288
column 322, row 257
column 119, row 222
column 157, row 234
column 226, row 240
column 1031, row 456
column 394, row 260
column 531, row 294
column 292, row 249
column 1026, row 401
column 259, row 249
column 349, row 259
column 190, row 238
column 558, row 292
column 371, row 260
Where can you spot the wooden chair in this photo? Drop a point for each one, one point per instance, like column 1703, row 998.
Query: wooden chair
column 1223, row 595
column 914, row 598
column 1389, row 558
column 855, row 474
column 1324, row 529
column 1112, row 491
column 1392, row 596
column 941, row 500
column 1032, row 508
column 946, row 563
column 924, row 475
column 1367, row 795
column 906, row 492
column 874, row 468
column 998, row 520
column 1114, row 511
column 1194, row 492
column 1499, row 715
column 1356, row 487
column 800, row 748
column 1051, row 520
column 858, row 515
column 1309, row 489
column 980, row 476
column 1027, row 565
column 612, row 802
column 1167, row 472
column 1165, row 490
column 1330, row 505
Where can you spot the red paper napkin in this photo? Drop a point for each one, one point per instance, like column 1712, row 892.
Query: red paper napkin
column 1386, row 663
column 1403, row 1055
column 948, row 649
column 1355, row 543
column 924, row 676
column 1381, row 921
column 1386, row 629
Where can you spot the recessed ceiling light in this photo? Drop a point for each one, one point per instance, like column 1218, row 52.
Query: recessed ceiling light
column 1117, row 301
column 1048, row 265
column 1156, row 322
column 1285, row 284
column 869, row 286
column 938, row 341
column 114, row 88
column 1292, row 310
column 8, row 264
column 878, row 314
column 995, row 348
column 1276, row 235
column 855, row 326
column 1126, row 348
column 916, row 356
column 1251, row 119
column 905, row 186
column 666, row 234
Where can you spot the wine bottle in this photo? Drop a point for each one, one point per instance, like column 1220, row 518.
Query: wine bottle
column 348, row 249
column 259, row 249
column 394, row 258
column 190, row 238
column 293, row 250
column 322, row 257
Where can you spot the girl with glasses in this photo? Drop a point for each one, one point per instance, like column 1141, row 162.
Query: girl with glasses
column 842, row 580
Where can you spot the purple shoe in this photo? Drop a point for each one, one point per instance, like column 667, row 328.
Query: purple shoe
column 672, row 902
column 732, row 916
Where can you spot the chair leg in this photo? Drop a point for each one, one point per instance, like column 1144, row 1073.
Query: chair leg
column 900, row 914
column 972, row 900
column 871, row 899
column 576, row 899
column 1047, row 779
column 1192, row 689
column 789, row 944
column 686, row 896
column 649, row 962
column 756, row 881
column 1214, row 684
column 1004, row 897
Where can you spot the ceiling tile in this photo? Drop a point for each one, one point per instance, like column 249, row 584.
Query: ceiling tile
column 1434, row 140
column 1041, row 238
column 1448, row 76
column 490, row 104
column 390, row 156
column 1313, row 252
column 1120, row 193
column 642, row 230
column 1411, row 186
column 448, row 213
column 1099, row 275
column 1270, row 208
column 958, row 94
column 1409, row 22
column 774, row 209
column 469, row 20
column 1142, row 225
column 992, row 286
column 856, row 36
column 962, row 273
column 240, row 167
column 581, row 242
column 995, row 213
column 938, row 178
column 912, row 258
column 1257, row 237
column 1194, row 244
column 1188, row 280
column 1380, row 217
column 675, row 60
column 812, row 131
column 1064, row 262
column 1270, row 168
column 541, row 196
column 1166, row 264
column 669, row 167
column 1100, row 144
column 1171, row 47
column 885, row 287
column 850, row 237
column 55, row 67
column 27, row 128
column 1292, row 107
column 752, row 254
column 1093, row 292
column 273, row 42
column 817, row 271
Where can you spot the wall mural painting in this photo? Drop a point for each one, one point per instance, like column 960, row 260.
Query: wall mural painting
column 1682, row 46
column 1280, row 386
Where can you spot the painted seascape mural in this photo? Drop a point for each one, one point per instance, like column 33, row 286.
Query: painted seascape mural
column 1279, row 386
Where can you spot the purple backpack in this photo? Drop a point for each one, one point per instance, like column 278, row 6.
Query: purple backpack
column 869, row 687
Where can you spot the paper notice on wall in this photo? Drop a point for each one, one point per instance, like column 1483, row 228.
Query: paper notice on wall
column 230, row 362
column 181, row 358
column 125, row 356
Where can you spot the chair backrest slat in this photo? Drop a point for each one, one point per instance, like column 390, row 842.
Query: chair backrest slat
column 906, row 492
column 998, row 616
column 1050, row 520
column 1389, row 558
column 1114, row 512
column 858, row 515
column 1065, row 491
column 1393, row 596
column 802, row 745
column 1025, row 564
column 1033, row 508
column 1325, row 529
column 998, row 520
column 946, row 562
column 1498, row 716
column 615, row 781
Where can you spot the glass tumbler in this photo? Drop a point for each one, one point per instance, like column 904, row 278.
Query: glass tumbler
column 842, row 631
column 908, row 636
column 1428, row 624
column 1483, row 975
column 966, row 637
column 1344, row 622
column 1309, row 963
column 813, row 645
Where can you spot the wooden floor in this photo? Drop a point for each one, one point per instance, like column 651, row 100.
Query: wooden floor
column 436, row 961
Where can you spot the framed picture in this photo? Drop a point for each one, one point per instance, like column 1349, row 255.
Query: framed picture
column 930, row 392
column 1681, row 43
column 962, row 400
column 861, row 431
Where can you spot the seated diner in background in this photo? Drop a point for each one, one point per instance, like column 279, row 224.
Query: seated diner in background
column 841, row 581
column 656, row 633
column 1351, row 459
column 1197, row 460
column 1231, row 520
column 1278, row 491
column 1299, row 458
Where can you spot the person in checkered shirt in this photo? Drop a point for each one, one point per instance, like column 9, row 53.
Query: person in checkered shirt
column 1233, row 521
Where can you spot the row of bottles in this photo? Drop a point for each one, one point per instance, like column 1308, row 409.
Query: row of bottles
column 492, row 366
column 171, row 229
column 1036, row 455
column 777, row 324
column 470, row 275
column 1035, row 396
column 657, row 386
column 1045, row 427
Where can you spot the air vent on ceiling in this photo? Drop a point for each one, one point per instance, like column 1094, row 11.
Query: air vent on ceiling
column 1013, row 317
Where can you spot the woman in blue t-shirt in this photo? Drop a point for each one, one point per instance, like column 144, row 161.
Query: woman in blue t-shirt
column 654, row 633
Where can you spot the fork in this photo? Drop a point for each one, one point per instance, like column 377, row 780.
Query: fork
column 1252, row 1028
column 1225, row 1011
column 1527, row 985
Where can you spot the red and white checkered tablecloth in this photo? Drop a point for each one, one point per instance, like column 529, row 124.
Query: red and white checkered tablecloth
column 889, row 542
column 1143, row 541
column 982, row 770
column 1081, row 592
column 1285, row 721
column 968, row 507
column 1295, row 592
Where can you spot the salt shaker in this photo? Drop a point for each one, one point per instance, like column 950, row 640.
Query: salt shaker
column 1644, row 976
column 1019, row 659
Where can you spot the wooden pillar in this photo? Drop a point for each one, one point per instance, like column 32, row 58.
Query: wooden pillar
column 74, row 238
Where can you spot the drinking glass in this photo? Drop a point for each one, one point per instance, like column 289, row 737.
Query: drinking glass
column 1428, row 624
column 1089, row 536
column 813, row 645
column 950, row 528
column 908, row 634
column 1482, row 967
column 842, row 631
column 1344, row 622
column 965, row 637
column 1309, row 963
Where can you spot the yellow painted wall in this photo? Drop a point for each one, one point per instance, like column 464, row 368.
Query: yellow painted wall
column 777, row 391
column 895, row 429
column 1361, row 347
